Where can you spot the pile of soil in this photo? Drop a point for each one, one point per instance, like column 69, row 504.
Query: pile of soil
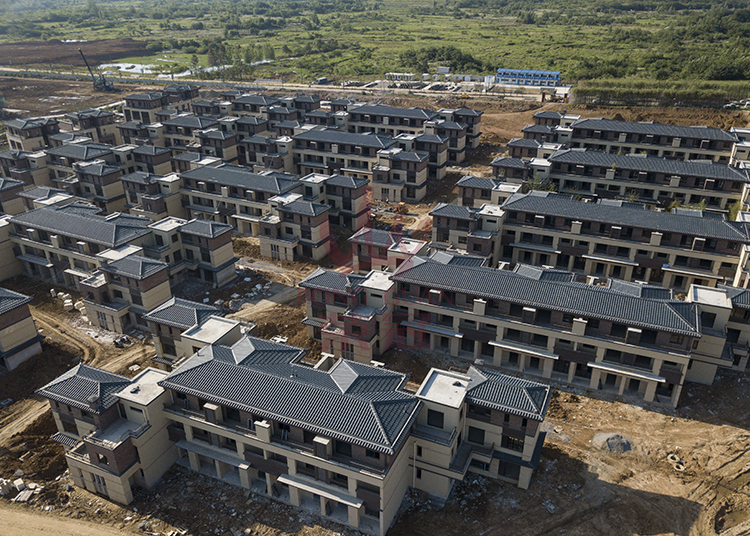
column 59, row 53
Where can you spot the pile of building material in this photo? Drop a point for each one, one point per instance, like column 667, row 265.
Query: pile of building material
column 22, row 491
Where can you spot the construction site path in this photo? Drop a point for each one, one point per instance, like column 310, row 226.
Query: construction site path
column 16, row 521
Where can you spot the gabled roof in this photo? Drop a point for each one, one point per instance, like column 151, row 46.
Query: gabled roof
column 523, row 142
column 151, row 96
column 457, row 259
column 352, row 402
column 431, row 138
column 14, row 154
column 91, row 112
column 205, row 228
column 135, row 266
column 375, row 237
column 393, row 111
column 32, row 122
column 9, row 184
column 10, row 299
column 241, row 177
column 508, row 394
column 683, row 168
column 448, row 210
column 41, row 192
column 693, row 223
column 655, row 129
column 182, row 314
column 344, row 181
column 485, row 183
column 509, row 163
column 306, row 208
column 538, row 129
column 252, row 120
column 332, row 135
column 98, row 169
column 111, row 231
column 260, row 100
column 331, row 281
column 588, row 301
column 407, row 156
column 81, row 151
column 191, row 121
column 84, row 383
column 151, row 150
column 468, row 112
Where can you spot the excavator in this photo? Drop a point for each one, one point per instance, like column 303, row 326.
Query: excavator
column 101, row 83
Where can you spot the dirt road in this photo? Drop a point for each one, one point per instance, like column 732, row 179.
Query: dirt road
column 15, row 521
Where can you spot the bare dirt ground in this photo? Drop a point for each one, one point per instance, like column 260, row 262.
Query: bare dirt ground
column 66, row 54
column 38, row 97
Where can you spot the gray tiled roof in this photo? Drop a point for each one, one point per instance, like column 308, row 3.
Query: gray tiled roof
column 683, row 168
column 10, row 299
column 131, row 125
column 651, row 292
column 509, row 394
column 32, row 122
column 393, row 111
column 251, row 120
column 261, row 100
column 98, row 170
column 9, row 184
column 151, row 96
column 538, row 129
column 346, row 182
column 241, row 177
column 523, row 142
column 543, row 274
column 81, row 151
column 544, row 114
column 431, row 138
column 408, row 156
column 111, row 231
column 375, row 237
column 740, row 296
column 214, row 134
column 77, row 386
column 456, row 259
column 332, row 135
column 329, row 280
column 41, row 192
column 135, row 266
column 696, row 223
column 151, row 150
column 656, row 129
column 470, row 181
column 91, row 112
column 507, row 162
column 64, row 439
column 14, row 154
column 206, row 228
column 188, row 156
column 586, row 300
column 191, row 121
column 448, row 210
column 352, row 402
column 182, row 314
column 468, row 112
column 306, row 208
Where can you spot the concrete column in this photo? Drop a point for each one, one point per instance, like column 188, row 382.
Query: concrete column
column 270, row 481
column 220, row 469
column 195, row 463
column 623, row 382
column 547, row 365
column 595, row 376
column 521, row 362
column 323, row 504
column 648, row 396
column 244, row 471
column 354, row 515
column 294, row 496
column 571, row 372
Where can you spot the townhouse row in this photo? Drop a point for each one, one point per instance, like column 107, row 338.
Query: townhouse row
column 339, row 438
column 674, row 249
column 629, row 339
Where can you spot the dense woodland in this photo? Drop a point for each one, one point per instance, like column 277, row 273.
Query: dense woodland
column 585, row 39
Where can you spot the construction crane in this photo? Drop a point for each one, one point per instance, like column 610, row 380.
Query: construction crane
column 101, row 83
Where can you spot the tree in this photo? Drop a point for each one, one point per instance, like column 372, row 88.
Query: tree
column 194, row 62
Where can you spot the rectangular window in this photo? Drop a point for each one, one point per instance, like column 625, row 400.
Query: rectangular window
column 476, row 435
column 435, row 418
column 512, row 443
column 344, row 449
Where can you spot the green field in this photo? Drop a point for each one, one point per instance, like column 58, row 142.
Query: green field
column 603, row 40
